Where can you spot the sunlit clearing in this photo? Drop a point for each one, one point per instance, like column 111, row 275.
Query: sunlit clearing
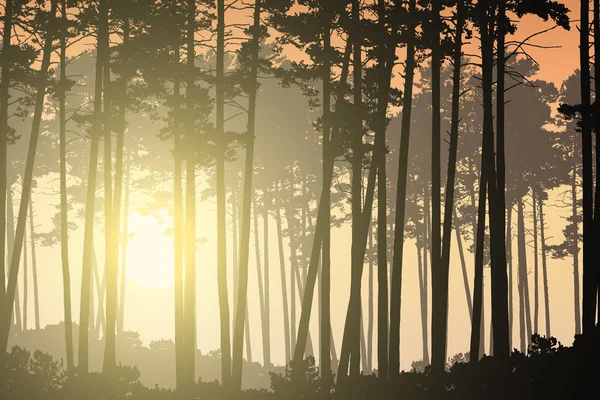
column 149, row 253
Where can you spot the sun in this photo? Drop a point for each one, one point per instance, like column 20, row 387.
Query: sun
column 149, row 253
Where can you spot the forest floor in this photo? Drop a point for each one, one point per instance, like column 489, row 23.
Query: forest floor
column 549, row 370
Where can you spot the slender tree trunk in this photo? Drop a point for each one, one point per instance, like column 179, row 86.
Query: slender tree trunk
column 178, row 228
column 4, row 100
column 11, row 245
column 111, row 269
column 422, row 301
column 441, row 308
column 589, row 262
column 397, row 259
column 425, row 294
column 475, row 350
column 463, row 265
column 369, row 354
column 324, row 230
column 267, row 322
column 248, row 194
column 118, row 190
column 524, row 317
column 575, row 248
column 544, row 268
column 261, row 291
column 124, row 242
column 189, row 290
column 234, row 243
column 41, row 83
column 510, row 272
column 536, row 292
column 284, row 295
column 596, row 129
column 36, row 296
column 25, row 282
column 100, row 291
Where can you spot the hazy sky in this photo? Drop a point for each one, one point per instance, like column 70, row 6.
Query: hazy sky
column 149, row 297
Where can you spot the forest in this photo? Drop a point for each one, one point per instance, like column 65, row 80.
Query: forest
column 299, row 199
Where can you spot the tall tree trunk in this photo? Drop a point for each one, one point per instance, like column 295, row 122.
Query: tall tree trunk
column 248, row 194
column 267, row 311
column 100, row 291
column 475, row 350
column 544, row 268
column 536, row 276
column 124, row 242
column 4, row 100
column 422, row 301
column 596, row 128
column 323, row 230
column 440, row 315
column 499, row 279
column 189, row 290
column 234, row 242
column 11, row 245
column 370, row 302
column 284, row 295
column 261, row 290
column 525, row 324
column 397, row 259
column 425, row 293
column 178, row 226
column 118, row 190
column 36, row 296
column 111, row 269
column 575, row 247
column 25, row 282
column 41, row 83
column 439, row 308
column 589, row 263
column 463, row 264
column 510, row 271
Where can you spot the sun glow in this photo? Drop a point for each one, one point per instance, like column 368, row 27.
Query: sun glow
column 149, row 252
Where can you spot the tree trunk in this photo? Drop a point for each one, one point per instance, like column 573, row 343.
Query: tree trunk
column 11, row 245
column 575, row 249
column 248, row 194
column 284, row 295
column 27, row 179
column 524, row 318
column 589, row 263
column 510, row 272
column 25, row 282
column 261, row 291
column 369, row 354
column 499, row 280
column 267, row 321
column 544, row 268
column 397, row 259
column 36, row 297
column 4, row 100
column 463, row 265
column 111, row 269
column 475, row 351
column 189, row 290
column 536, row 279
column 100, row 291
column 124, row 242
column 425, row 293
column 178, row 226
column 64, row 222
column 440, row 315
